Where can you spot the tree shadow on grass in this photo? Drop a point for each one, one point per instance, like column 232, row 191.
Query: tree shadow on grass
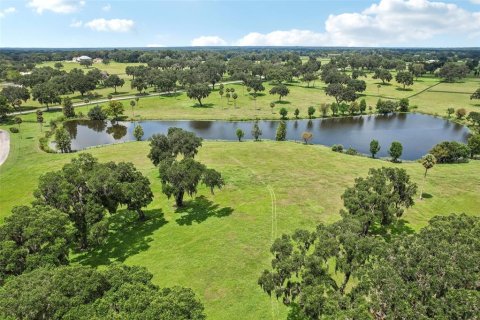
column 203, row 106
column 200, row 209
column 400, row 227
column 426, row 196
column 127, row 236
column 282, row 102
column 404, row 89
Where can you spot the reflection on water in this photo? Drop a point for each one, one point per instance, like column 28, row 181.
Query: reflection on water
column 417, row 132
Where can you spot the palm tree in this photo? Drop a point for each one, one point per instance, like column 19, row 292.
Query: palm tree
column 132, row 104
column 428, row 161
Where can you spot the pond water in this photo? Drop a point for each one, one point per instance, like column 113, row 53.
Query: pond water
column 417, row 132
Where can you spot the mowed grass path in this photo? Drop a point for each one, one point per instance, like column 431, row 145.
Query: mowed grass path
column 219, row 244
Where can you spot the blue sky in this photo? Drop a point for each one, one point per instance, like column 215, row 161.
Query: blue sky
column 78, row 23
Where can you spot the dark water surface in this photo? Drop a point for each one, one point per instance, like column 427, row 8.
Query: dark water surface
column 417, row 132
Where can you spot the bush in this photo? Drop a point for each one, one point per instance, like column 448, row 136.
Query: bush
column 386, row 106
column 351, row 151
column 451, row 152
column 337, row 148
column 97, row 113
column 460, row 113
column 14, row 130
column 403, row 105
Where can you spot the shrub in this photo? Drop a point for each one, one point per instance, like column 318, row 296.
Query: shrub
column 97, row 113
column 403, row 105
column 351, row 151
column 281, row 131
column 451, row 152
column 337, row 148
column 386, row 106
column 460, row 113
column 395, row 151
column 474, row 145
column 14, row 130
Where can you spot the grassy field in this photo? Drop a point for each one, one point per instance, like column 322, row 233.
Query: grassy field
column 219, row 244
column 427, row 94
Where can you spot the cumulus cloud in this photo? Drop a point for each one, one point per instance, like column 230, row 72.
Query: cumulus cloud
column 475, row 1
column 112, row 25
column 293, row 37
column 205, row 41
column 56, row 6
column 6, row 11
column 390, row 22
column 107, row 7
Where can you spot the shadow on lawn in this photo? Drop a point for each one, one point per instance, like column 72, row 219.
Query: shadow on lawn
column 199, row 210
column 128, row 236
column 400, row 227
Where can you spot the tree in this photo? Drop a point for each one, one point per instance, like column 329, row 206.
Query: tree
column 33, row 237
column 428, row 161
column 403, row 105
column 383, row 75
column 256, row 131
column 309, row 77
column 239, row 134
column 115, row 109
column 307, row 136
column 83, row 292
column 86, row 62
column 4, row 107
column 363, row 106
column 451, row 152
column 475, row 95
column 46, row 93
column 235, row 97
column 341, row 92
column 450, row 111
column 139, row 84
column 138, row 132
column 386, row 106
column 380, row 197
column 405, row 78
column 58, row 65
column 460, row 113
column 68, row 109
column 198, row 91
column 18, row 121
column 114, row 81
column 374, row 147
column 311, row 111
column 84, row 189
column 324, row 109
column 63, row 141
column 180, row 177
column 474, row 144
column 280, row 90
column 15, row 94
column 97, row 113
column 272, row 105
column 452, row 71
column 417, row 69
column 283, row 112
column 176, row 142
column 395, row 150
column 39, row 114
column 281, row 134
column 474, row 117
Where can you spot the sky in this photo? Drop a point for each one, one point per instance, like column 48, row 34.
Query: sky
column 155, row 23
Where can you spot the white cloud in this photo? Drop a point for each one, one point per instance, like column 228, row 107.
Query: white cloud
column 292, row 37
column 6, row 11
column 57, row 6
column 155, row 45
column 390, row 22
column 204, row 41
column 112, row 25
column 475, row 1
column 107, row 7
column 76, row 23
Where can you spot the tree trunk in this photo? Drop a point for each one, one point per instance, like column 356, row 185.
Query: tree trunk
column 141, row 215
column 200, row 101
column 179, row 199
column 345, row 281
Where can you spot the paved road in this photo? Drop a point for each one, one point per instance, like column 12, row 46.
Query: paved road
column 80, row 104
column 4, row 146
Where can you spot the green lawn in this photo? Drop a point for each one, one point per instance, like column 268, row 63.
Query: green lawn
column 219, row 244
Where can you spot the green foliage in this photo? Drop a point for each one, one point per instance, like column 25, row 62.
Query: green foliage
column 63, row 142
column 115, row 109
column 451, row 152
column 240, row 134
column 363, row 106
column 68, row 109
column 460, row 113
column 198, row 91
column 97, row 113
column 84, row 189
column 46, row 93
column 474, row 144
column 475, row 95
column 283, row 113
column 386, row 106
column 114, row 81
column 452, row 71
column 15, row 93
column 32, row 237
column 403, row 105
column 405, row 78
column 395, row 151
column 4, row 107
column 450, row 111
column 337, row 148
column 281, row 90
column 281, row 134
column 256, row 131
column 374, row 147
column 311, row 112
column 81, row 292
column 474, row 117
column 138, row 132
column 324, row 107
column 383, row 75
column 296, row 113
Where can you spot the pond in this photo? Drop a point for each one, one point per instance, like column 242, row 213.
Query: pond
column 417, row 132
